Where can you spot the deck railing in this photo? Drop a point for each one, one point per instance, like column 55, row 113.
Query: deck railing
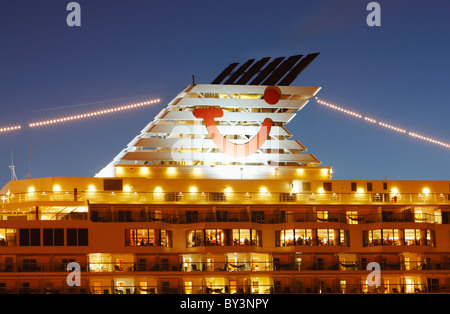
column 183, row 218
column 82, row 200
column 122, row 215
column 296, row 288
column 225, row 267
column 226, row 198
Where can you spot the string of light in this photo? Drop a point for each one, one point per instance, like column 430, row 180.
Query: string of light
column 9, row 129
column 93, row 113
column 154, row 101
column 382, row 124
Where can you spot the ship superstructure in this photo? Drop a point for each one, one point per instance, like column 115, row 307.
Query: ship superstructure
column 215, row 196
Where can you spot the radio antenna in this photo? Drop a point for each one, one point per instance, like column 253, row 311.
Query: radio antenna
column 13, row 172
column 29, row 161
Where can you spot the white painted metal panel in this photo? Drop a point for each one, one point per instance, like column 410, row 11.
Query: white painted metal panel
column 201, row 129
column 253, row 89
column 218, row 157
column 232, row 116
column 208, row 143
column 238, row 103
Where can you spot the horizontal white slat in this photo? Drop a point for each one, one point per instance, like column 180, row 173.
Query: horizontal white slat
column 252, row 89
column 239, row 103
column 208, row 143
column 201, row 129
column 232, row 116
column 218, row 157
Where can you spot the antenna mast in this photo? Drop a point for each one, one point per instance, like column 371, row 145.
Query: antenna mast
column 13, row 172
column 29, row 163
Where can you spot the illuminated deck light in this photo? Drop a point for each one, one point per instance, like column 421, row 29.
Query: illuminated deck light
column 193, row 189
column 158, row 189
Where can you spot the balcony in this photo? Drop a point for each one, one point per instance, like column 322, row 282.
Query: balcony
column 292, row 288
column 226, row 267
column 286, row 217
column 249, row 198
column 74, row 206
column 223, row 217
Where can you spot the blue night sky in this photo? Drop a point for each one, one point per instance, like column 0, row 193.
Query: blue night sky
column 397, row 73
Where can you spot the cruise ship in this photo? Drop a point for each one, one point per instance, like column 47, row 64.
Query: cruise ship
column 214, row 196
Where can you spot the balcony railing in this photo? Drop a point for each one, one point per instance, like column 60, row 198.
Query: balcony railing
column 81, row 199
column 225, row 267
column 226, row 197
column 183, row 218
column 292, row 288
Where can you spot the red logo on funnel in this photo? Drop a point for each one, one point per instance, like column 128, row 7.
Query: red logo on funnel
column 271, row 96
